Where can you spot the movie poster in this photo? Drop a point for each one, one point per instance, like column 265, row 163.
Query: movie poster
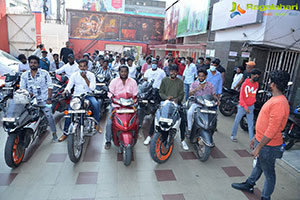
column 171, row 22
column 104, row 5
column 94, row 25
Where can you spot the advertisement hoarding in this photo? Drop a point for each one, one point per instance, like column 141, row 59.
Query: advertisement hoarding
column 193, row 17
column 171, row 22
column 104, row 5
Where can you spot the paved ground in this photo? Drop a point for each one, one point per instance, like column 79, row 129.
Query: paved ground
column 47, row 172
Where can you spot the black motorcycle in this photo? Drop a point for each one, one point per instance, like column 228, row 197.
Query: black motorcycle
column 167, row 123
column 229, row 102
column 291, row 133
column 11, row 84
column 59, row 103
column 23, row 121
column 82, row 125
column 101, row 91
column 204, row 125
column 148, row 100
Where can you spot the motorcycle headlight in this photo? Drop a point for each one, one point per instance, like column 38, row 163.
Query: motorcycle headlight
column 75, row 104
column 126, row 102
column 101, row 77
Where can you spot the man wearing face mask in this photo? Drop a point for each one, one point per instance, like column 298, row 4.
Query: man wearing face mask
column 215, row 77
column 200, row 64
column 181, row 67
column 83, row 81
column 69, row 68
column 121, row 84
column 246, row 104
column 38, row 83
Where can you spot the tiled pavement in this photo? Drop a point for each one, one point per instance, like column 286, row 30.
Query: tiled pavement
column 48, row 173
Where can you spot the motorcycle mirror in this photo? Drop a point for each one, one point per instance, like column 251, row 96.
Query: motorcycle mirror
column 260, row 91
column 290, row 83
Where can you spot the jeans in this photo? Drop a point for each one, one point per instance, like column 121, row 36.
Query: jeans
column 108, row 132
column 95, row 110
column 266, row 163
column 182, row 125
column 190, row 116
column 186, row 91
column 48, row 113
column 241, row 112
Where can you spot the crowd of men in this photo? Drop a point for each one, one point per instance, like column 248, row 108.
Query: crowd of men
column 175, row 79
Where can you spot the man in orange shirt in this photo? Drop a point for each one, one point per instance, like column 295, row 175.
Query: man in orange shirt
column 268, row 141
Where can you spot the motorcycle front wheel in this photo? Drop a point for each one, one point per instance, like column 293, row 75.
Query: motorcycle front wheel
column 244, row 123
column 127, row 155
column 14, row 152
column 202, row 150
column 227, row 109
column 75, row 147
column 160, row 151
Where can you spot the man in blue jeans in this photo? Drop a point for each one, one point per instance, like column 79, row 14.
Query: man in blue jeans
column 246, row 104
column 189, row 76
column 83, row 81
column 268, row 140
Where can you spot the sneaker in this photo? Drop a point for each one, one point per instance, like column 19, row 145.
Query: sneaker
column 184, row 145
column 243, row 186
column 233, row 139
column 54, row 138
column 147, row 141
column 107, row 145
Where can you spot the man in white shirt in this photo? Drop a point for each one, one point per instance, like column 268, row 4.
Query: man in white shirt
column 24, row 65
column 50, row 56
column 38, row 51
column 237, row 78
column 83, row 81
column 86, row 56
column 56, row 64
column 132, row 68
column 69, row 68
column 116, row 64
column 155, row 74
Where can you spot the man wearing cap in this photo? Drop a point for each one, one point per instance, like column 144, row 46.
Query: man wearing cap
column 56, row 64
column 247, row 73
column 86, row 56
column 219, row 68
column 44, row 62
column 69, row 68
column 83, row 81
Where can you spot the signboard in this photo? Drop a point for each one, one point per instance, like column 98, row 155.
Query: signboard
column 96, row 25
column 193, row 17
column 245, row 54
column 171, row 22
column 104, row 5
column 233, row 53
column 232, row 13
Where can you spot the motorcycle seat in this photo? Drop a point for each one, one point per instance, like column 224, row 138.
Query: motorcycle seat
column 231, row 91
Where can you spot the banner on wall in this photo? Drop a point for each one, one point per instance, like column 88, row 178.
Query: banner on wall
column 104, row 5
column 93, row 25
column 193, row 17
column 171, row 22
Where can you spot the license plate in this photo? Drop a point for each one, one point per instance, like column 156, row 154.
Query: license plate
column 123, row 111
column 8, row 119
column 166, row 120
column 144, row 101
column 76, row 111
column 209, row 111
column 100, row 84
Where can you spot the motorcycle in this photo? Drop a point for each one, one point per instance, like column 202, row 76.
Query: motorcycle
column 167, row 123
column 23, row 121
column 204, row 126
column 148, row 100
column 59, row 103
column 125, row 124
column 229, row 102
column 101, row 91
column 291, row 133
column 11, row 84
column 82, row 125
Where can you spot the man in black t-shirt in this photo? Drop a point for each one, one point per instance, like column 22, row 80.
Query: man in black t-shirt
column 219, row 68
column 64, row 52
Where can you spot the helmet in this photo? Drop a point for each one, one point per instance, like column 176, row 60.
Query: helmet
column 21, row 96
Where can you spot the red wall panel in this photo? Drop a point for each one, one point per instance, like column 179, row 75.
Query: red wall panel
column 4, row 45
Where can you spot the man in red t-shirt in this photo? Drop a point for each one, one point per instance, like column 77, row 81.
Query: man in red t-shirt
column 246, row 105
column 268, row 141
column 181, row 66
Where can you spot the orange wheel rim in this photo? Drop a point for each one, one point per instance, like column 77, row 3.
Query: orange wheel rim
column 17, row 155
column 162, row 153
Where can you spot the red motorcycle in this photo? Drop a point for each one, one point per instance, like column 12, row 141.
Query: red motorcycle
column 59, row 103
column 125, row 124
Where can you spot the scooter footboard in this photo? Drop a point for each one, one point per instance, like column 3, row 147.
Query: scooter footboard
column 126, row 139
column 207, row 138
